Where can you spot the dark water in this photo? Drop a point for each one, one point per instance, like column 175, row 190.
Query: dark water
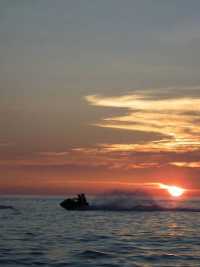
column 40, row 233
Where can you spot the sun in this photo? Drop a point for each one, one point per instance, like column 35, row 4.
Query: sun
column 174, row 191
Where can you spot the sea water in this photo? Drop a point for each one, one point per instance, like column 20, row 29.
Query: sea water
column 38, row 232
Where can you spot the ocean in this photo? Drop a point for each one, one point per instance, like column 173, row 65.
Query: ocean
column 38, row 232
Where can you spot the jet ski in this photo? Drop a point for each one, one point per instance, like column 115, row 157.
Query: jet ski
column 77, row 203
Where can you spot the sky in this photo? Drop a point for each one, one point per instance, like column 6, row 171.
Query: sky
column 99, row 95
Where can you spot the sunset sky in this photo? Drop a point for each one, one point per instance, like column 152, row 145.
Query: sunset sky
column 98, row 95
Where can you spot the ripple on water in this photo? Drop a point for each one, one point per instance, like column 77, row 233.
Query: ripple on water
column 45, row 235
column 94, row 254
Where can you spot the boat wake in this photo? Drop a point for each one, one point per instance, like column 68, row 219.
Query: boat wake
column 144, row 208
column 138, row 201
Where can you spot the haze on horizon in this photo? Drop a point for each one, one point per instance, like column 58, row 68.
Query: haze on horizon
column 98, row 95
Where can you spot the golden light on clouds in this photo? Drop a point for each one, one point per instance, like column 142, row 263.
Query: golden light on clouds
column 187, row 164
column 176, row 119
column 140, row 102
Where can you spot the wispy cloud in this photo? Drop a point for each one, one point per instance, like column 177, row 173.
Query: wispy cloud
column 54, row 153
column 194, row 164
column 175, row 118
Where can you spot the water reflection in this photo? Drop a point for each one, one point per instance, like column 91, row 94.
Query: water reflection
column 49, row 236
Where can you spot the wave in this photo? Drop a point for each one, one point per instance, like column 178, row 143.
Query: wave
column 95, row 254
column 148, row 208
column 5, row 207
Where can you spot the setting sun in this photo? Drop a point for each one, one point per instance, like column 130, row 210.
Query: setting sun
column 174, row 191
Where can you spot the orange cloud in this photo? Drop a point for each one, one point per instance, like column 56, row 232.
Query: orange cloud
column 174, row 118
column 186, row 164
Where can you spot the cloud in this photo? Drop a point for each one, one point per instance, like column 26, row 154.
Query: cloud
column 165, row 127
column 55, row 154
column 195, row 164
column 174, row 118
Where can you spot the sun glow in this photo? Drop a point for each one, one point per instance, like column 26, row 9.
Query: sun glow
column 174, row 191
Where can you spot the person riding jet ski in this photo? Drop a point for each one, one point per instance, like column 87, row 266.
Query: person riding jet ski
column 77, row 203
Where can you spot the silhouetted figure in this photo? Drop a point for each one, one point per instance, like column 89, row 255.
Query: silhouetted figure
column 79, row 203
column 79, row 199
column 83, row 200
